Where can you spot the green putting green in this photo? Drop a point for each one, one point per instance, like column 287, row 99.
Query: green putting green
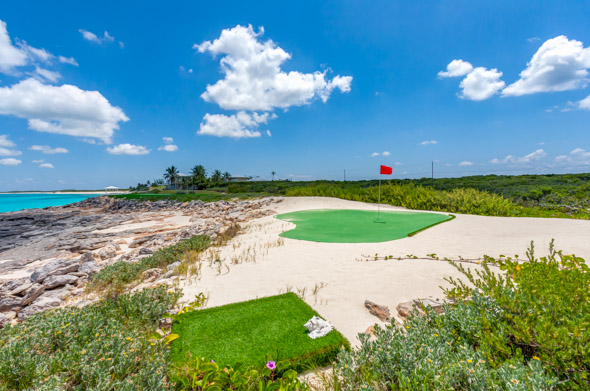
column 357, row 226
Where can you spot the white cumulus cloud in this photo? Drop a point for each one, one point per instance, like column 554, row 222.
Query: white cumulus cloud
column 456, row 68
column 6, row 145
column 254, row 79
column 465, row 164
column 168, row 146
column 384, row 153
column 68, row 60
column 46, row 165
column 584, row 104
column 128, row 149
column 9, row 152
column 560, row 64
column 46, row 149
column 64, row 109
column 10, row 162
column 239, row 125
column 481, row 83
column 10, row 56
column 5, row 142
column 48, row 75
column 90, row 36
column 531, row 157
column 578, row 156
column 427, row 142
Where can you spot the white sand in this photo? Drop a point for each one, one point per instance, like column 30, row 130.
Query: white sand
column 348, row 282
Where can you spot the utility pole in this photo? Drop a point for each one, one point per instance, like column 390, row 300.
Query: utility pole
column 344, row 175
column 432, row 170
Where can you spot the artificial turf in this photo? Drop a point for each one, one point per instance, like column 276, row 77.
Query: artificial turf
column 357, row 226
column 254, row 332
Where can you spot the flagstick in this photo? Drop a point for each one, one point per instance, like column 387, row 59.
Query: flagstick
column 379, row 205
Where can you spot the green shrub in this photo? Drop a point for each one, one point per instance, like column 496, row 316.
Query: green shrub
column 430, row 354
column 525, row 328
column 469, row 201
column 236, row 188
column 541, row 310
column 103, row 346
column 113, row 278
column 201, row 374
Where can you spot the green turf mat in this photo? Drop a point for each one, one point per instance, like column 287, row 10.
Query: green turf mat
column 254, row 332
column 357, row 226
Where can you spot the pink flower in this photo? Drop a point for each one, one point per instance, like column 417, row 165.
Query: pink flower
column 271, row 365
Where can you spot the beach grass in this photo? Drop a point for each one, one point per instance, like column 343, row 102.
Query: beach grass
column 113, row 278
column 254, row 332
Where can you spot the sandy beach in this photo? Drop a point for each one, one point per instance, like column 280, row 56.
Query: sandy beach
column 258, row 263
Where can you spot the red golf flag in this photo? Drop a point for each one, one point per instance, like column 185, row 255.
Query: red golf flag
column 386, row 170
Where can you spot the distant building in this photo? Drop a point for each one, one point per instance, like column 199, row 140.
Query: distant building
column 239, row 178
column 257, row 179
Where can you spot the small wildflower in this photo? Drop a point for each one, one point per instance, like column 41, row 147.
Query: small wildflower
column 152, row 344
column 83, row 352
column 271, row 365
column 429, row 360
column 514, row 381
column 59, row 332
column 469, row 361
column 436, row 335
column 536, row 358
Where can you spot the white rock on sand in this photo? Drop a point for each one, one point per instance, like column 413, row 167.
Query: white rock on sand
column 343, row 283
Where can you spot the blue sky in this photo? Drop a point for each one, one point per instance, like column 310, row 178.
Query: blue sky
column 105, row 93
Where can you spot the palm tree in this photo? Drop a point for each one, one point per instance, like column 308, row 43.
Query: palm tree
column 199, row 175
column 171, row 175
column 216, row 176
column 226, row 175
column 273, row 175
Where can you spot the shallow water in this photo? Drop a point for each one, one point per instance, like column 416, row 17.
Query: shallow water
column 14, row 202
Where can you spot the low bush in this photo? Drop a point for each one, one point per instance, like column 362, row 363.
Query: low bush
column 525, row 328
column 113, row 278
column 541, row 309
column 430, row 354
column 200, row 374
column 103, row 346
column 467, row 200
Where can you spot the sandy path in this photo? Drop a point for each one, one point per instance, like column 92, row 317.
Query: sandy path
column 258, row 263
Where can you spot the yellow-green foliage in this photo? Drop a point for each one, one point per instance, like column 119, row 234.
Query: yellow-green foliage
column 540, row 310
column 466, row 200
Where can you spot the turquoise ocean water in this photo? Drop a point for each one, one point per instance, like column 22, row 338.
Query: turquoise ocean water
column 14, row 202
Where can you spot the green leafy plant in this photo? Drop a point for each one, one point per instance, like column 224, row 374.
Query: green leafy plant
column 103, row 346
column 540, row 309
column 429, row 353
column 201, row 374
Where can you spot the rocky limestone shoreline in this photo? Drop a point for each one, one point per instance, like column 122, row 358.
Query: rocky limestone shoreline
column 48, row 255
